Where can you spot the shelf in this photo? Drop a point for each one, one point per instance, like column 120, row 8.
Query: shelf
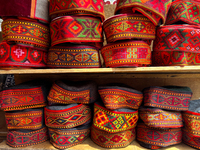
column 168, row 69
column 88, row 144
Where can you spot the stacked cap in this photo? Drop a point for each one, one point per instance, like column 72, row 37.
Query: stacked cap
column 25, row 34
column 177, row 43
column 130, row 32
column 161, row 116
column 68, row 115
column 191, row 131
column 114, row 121
column 76, row 33
column 23, row 105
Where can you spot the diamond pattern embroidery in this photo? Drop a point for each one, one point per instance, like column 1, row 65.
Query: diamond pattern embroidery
column 174, row 39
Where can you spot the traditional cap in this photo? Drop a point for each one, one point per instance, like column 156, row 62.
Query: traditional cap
column 175, row 58
column 22, row 138
column 190, row 139
column 129, row 53
column 128, row 26
column 34, row 9
column 158, row 137
column 115, row 97
column 177, row 38
column 192, row 118
column 114, row 121
column 65, row 138
column 149, row 146
column 186, row 11
column 74, row 56
column 18, row 56
column 26, row 32
column 75, row 7
column 168, row 97
column 67, row 116
column 23, row 96
column 76, row 29
column 73, row 92
column 154, row 10
column 112, row 140
column 25, row 119
column 158, row 118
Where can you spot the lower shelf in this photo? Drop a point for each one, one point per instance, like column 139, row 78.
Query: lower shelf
column 90, row 145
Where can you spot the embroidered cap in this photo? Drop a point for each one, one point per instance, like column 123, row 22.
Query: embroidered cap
column 122, row 119
column 156, row 11
column 84, row 92
column 22, row 138
column 75, row 7
column 73, row 56
column 191, row 118
column 26, row 95
column 18, row 56
column 68, row 116
column 131, row 53
column 158, row 118
column 65, row 138
column 168, row 97
column 34, row 9
column 25, row 119
column 184, row 11
column 158, row 137
column 115, row 97
column 148, row 146
column 112, row 140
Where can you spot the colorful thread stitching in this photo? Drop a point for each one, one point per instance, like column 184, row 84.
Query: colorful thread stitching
column 18, row 99
column 127, row 54
column 67, row 118
column 64, row 139
column 112, row 121
column 24, row 120
column 128, row 26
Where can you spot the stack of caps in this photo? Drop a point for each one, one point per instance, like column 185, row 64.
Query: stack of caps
column 25, row 33
column 178, row 42
column 68, row 116
column 76, row 33
column 23, row 105
column 191, row 130
column 114, row 121
column 130, row 32
column 161, row 118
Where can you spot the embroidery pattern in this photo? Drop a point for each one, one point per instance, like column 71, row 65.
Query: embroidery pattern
column 112, row 121
column 67, row 118
column 18, row 99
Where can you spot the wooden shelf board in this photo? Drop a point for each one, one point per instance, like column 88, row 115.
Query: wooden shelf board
column 88, row 144
column 170, row 69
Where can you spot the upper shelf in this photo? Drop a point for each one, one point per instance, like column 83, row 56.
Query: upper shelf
column 143, row 70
